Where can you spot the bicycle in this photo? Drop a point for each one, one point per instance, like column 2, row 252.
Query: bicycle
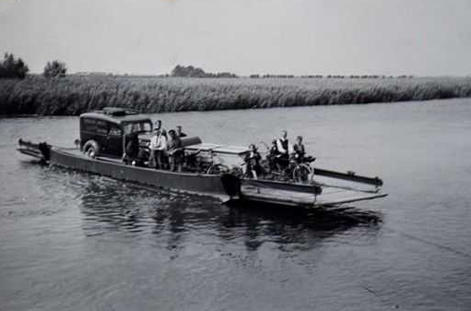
column 299, row 171
column 303, row 172
column 215, row 167
column 205, row 164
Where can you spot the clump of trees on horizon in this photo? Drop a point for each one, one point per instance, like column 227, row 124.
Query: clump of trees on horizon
column 15, row 68
column 196, row 72
column 11, row 68
column 55, row 69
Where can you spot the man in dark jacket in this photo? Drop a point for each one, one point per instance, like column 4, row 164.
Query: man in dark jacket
column 299, row 152
column 132, row 150
column 175, row 151
column 179, row 132
column 252, row 161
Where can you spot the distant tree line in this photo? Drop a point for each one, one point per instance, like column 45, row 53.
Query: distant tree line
column 195, row 72
column 266, row 76
column 15, row 68
column 12, row 68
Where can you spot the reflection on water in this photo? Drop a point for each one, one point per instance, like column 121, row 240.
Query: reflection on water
column 109, row 206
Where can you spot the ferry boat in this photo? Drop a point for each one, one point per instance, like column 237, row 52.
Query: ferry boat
column 215, row 169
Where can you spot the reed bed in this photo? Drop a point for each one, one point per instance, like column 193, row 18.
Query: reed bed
column 76, row 94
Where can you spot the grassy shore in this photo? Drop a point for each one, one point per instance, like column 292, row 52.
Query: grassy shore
column 76, row 94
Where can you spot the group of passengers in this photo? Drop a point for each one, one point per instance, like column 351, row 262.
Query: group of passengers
column 165, row 150
column 281, row 153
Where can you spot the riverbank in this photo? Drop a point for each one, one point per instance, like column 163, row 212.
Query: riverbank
column 76, row 94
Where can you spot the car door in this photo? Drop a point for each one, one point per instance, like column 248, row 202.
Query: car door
column 114, row 144
column 87, row 130
column 102, row 135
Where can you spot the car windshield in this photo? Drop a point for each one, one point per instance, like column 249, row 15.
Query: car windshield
column 137, row 127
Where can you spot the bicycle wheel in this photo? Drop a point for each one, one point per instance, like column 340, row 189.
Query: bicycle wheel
column 301, row 173
column 217, row 169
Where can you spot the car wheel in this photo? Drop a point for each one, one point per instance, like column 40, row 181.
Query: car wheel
column 91, row 149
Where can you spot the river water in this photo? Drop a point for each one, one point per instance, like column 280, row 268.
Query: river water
column 70, row 241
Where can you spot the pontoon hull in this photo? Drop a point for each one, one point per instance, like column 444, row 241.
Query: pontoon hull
column 225, row 187
column 190, row 182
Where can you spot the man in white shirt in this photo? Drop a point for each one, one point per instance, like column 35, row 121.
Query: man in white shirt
column 284, row 150
column 154, row 143
column 161, row 148
column 283, row 144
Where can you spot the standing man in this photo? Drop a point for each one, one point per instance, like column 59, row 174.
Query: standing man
column 175, row 151
column 179, row 132
column 161, row 149
column 253, row 168
column 158, row 125
column 283, row 145
column 132, row 150
column 154, row 143
column 284, row 150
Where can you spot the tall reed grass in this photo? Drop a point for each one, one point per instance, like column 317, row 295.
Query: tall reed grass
column 76, row 94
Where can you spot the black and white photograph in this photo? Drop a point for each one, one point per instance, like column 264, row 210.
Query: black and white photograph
column 235, row 155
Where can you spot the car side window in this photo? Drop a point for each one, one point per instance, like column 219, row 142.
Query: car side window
column 101, row 127
column 115, row 130
column 89, row 125
column 131, row 128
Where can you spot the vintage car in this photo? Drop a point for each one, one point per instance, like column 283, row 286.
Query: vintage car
column 105, row 132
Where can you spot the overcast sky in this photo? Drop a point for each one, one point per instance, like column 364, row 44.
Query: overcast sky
column 420, row 37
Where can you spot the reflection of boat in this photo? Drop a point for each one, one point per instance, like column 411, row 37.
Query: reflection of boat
column 171, row 219
column 104, row 136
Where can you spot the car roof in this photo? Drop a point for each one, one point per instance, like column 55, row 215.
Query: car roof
column 115, row 119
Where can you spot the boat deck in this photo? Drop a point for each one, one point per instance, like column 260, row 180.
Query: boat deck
column 330, row 196
column 79, row 154
column 334, row 192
